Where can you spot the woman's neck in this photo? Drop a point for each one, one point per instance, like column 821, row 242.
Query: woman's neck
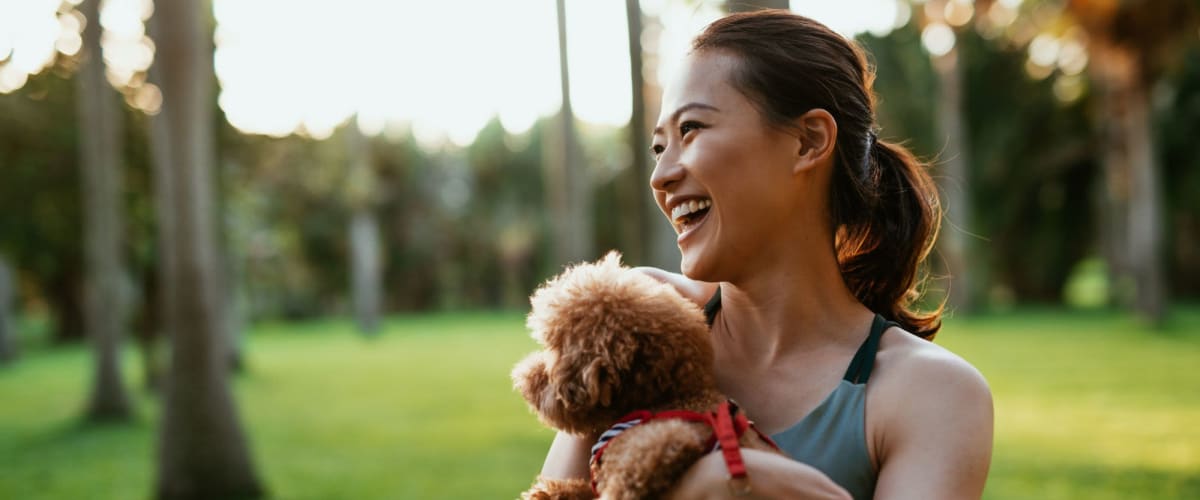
column 790, row 304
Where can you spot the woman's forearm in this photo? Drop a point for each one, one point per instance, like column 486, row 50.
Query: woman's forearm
column 770, row 476
column 567, row 458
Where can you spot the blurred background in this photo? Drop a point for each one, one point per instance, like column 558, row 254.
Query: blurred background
column 284, row 248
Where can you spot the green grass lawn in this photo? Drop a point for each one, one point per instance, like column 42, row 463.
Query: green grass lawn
column 1088, row 406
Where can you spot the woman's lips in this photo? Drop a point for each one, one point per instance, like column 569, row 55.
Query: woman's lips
column 689, row 226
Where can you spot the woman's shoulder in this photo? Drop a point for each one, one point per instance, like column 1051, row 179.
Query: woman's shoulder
column 914, row 356
column 910, row 367
column 698, row 292
column 922, row 389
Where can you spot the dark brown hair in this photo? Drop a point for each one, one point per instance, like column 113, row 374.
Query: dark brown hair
column 883, row 204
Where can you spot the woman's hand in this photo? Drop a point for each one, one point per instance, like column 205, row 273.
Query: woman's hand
column 771, row 476
column 696, row 291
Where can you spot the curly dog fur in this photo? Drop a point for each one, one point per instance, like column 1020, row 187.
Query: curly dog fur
column 615, row 341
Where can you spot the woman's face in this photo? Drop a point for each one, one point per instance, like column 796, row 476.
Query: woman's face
column 723, row 176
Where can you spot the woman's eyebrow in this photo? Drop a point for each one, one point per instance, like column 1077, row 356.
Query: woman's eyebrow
column 684, row 108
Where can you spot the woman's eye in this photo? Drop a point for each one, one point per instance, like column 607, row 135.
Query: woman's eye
column 657, row 149
column 688, row 126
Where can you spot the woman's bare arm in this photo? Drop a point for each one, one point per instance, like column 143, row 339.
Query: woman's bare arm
column 771, row 476
column 936, row 435
column 568, row 457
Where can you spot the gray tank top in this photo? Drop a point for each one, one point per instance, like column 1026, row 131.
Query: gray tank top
column 833, row 437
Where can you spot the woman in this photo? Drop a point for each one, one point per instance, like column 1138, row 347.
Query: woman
column 770, row 170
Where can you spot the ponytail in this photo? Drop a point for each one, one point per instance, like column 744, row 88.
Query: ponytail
column 886, row 225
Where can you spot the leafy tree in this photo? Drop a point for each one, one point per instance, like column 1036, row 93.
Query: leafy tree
column 1130, row 43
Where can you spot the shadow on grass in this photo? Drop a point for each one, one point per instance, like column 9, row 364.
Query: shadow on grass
column 70, row 432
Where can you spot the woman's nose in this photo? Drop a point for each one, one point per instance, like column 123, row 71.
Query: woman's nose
column 667, row 171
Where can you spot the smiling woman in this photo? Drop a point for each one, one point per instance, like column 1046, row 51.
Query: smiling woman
column 802, row 232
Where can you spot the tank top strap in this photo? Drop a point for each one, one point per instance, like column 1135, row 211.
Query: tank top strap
column 860, row 367
column 713, row 305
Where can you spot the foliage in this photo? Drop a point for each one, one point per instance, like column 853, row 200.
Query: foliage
column 1178, row 126
column 468, row 227
column 1088, row 405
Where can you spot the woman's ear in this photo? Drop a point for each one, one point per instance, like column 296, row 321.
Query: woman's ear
column 816, row 139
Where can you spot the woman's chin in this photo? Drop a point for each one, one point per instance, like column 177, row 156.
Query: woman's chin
column 695, row 267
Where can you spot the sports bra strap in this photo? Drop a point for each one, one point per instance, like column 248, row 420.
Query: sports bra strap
column 860, row 367
column 713, row 305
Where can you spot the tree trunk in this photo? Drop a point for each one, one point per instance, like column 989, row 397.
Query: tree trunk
column 104, row 307
column 751, row 5
column 66, row 290
column 657, row 245
column 164, row 210
column 202, row 450
column 366, row 266
column 574, row 224
column 954, row 180
column 8, row 342
column 636, row 209
column 1134, row 226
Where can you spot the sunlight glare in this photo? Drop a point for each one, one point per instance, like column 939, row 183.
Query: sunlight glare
column 417, row 62
column 959, row 12
column 11, row 78
column 1043, row 50
column 938, row 39
column 33, row 39
column 851, row 17
column 148, row 98
column 680, row 23
column 307, row 66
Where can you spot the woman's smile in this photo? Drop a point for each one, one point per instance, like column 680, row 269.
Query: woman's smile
column 690, row 214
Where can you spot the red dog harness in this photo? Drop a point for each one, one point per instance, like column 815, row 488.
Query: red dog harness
column 728, row 425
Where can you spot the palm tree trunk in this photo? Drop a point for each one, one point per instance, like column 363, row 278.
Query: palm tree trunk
column 1133, row 225
column 366, row 266
column 657, row 245
column 159, row 138
column 954, row 180
column 202, row 450
column 636, row 210
column 8, row 344
column 104, row 304
column 574, row 224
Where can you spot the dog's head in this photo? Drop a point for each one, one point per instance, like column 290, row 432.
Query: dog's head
column 615, row 340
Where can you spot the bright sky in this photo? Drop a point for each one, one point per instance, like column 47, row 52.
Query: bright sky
column 443, row 68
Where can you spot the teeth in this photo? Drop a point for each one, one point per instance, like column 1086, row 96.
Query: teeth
column 689, row 207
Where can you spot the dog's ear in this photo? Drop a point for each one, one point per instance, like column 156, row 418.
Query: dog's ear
column 589, row 374
column 572, row 393
column 531, row 379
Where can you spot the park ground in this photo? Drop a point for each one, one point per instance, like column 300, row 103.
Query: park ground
column 1088, row 405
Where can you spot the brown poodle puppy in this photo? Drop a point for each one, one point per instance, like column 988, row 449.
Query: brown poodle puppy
column 617, row 341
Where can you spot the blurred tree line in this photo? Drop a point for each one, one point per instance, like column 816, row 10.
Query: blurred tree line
column 1050, row 176
column 470, row 227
